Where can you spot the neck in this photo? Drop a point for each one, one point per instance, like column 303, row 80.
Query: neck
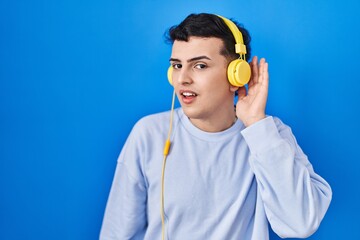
column 218, row 124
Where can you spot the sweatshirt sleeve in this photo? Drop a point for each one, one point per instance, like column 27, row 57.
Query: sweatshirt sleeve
column 295, row 197
column 125, row 213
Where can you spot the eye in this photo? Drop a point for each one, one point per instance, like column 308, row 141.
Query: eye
column 176, row 65
column 200, row 66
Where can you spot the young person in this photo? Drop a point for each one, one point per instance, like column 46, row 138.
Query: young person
column 230, row 171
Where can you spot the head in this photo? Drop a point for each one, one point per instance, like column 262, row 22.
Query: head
column 203, row 47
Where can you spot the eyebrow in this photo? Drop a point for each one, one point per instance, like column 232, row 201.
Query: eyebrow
column 191, row 59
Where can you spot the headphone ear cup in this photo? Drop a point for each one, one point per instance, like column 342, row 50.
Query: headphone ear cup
column 239, row 72
column 169, row 74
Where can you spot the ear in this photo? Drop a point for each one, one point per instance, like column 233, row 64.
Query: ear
column 233, row 88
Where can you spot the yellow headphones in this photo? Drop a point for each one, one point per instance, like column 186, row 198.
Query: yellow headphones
column 238, row 71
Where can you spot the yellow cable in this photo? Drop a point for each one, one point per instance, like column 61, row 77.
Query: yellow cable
column 162, row 200
column 166, row 152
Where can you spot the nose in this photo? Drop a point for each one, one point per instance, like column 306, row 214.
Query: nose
column 184, row 77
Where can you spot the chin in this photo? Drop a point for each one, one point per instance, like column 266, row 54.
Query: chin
column 192, row 113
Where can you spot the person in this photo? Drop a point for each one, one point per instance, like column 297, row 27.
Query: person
column 231, row 170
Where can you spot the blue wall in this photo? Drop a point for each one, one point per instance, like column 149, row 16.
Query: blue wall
column 76, row 75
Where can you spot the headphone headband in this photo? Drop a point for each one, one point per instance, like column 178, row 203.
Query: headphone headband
column 240, row 47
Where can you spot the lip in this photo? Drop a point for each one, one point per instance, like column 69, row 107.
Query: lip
column 187, row 100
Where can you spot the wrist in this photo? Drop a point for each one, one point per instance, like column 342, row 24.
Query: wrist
column 253, row 119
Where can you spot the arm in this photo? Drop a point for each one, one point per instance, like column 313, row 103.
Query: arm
column 295, row 198
column 125, row 214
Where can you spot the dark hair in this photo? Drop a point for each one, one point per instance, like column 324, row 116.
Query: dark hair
column 209, row 25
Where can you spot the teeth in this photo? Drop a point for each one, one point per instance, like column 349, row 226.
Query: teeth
column 187, row 94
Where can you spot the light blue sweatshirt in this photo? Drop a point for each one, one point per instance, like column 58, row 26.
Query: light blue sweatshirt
column 218, row 186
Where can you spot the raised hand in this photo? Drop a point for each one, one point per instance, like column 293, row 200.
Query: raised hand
column 251, row 104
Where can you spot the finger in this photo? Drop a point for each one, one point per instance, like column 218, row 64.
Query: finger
column 241, row 93
column 266, row 75
column 263, row 72
column 261, row 69
column 254, row 71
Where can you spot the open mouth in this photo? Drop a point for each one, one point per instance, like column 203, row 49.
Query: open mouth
column 188, row 94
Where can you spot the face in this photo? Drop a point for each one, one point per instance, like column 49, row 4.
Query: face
column 200, row 81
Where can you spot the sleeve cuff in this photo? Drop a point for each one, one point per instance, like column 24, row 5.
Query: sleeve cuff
column 261, row 135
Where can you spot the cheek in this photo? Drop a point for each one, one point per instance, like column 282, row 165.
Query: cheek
column 216, row 90
column 218, row 82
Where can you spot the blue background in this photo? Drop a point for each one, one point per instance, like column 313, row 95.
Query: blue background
column 76, row 75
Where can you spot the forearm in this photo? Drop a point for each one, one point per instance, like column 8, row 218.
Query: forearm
column 295, row 197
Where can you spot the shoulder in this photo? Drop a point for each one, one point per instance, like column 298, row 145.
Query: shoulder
column 156, row 120
column 154, row 124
